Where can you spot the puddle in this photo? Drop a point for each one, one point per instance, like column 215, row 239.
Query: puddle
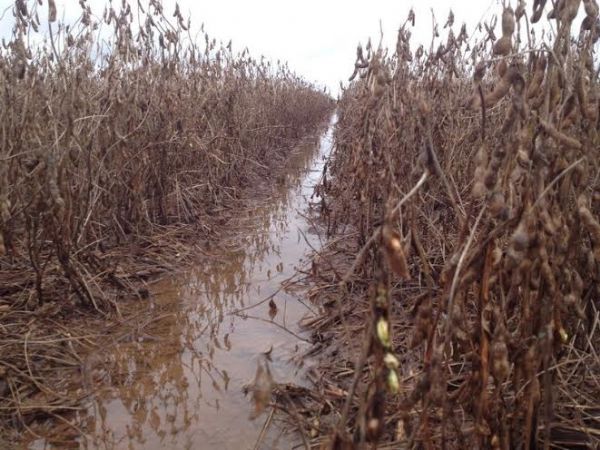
column 178, row 383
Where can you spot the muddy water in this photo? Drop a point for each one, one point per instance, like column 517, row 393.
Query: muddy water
column 178, row 383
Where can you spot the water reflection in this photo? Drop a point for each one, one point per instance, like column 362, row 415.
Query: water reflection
column 177, row 382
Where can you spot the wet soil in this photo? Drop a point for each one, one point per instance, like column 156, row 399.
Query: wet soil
column 179, row 381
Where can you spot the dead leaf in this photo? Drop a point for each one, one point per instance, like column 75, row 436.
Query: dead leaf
column 272, row 309
column 262, row 388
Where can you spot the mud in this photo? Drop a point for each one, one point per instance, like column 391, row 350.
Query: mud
column 179, row 382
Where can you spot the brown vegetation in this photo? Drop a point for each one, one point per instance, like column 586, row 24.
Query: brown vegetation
column 460, row 284
column 117, row 135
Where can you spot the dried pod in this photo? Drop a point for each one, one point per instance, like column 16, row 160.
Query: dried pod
column 499, row 356
column 419, row 53
column 591, row 8
column 523, row 158
column 496, row 256
column 520, row 11
column 437, row 387
column 590, row 261
column 51, row 11
column 479, row 189
column 547, row 222
column 495, row 442
column 394, row 251
column 538, row 9
column 588, row 23
column 481, row 161
column 373, row 428
column 535, row 84
column 569, row 10
column 548, row 276
column 497, row 205
column 534, row 390
column 577, row 283
column 569, row 113
column 21, row 7
column 591, row 224
column 479, row 72
column 521, row 237
column 503, row 46
column 491, row 176
column 5, row 204
column 424, row 322
column 501, row 68
column 423, row 106
column 572, row 302
column 499, row 91
column 581, row 91
column 508, row 22
column 52, row 179
column 560, row 137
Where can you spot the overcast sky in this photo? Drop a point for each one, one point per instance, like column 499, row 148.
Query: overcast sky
column 317, row 37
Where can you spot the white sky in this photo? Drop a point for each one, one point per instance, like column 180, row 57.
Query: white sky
column 317, row 37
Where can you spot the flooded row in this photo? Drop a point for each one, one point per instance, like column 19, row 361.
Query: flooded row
column 179, row 382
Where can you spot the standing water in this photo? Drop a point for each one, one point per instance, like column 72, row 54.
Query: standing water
column 179, row 383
